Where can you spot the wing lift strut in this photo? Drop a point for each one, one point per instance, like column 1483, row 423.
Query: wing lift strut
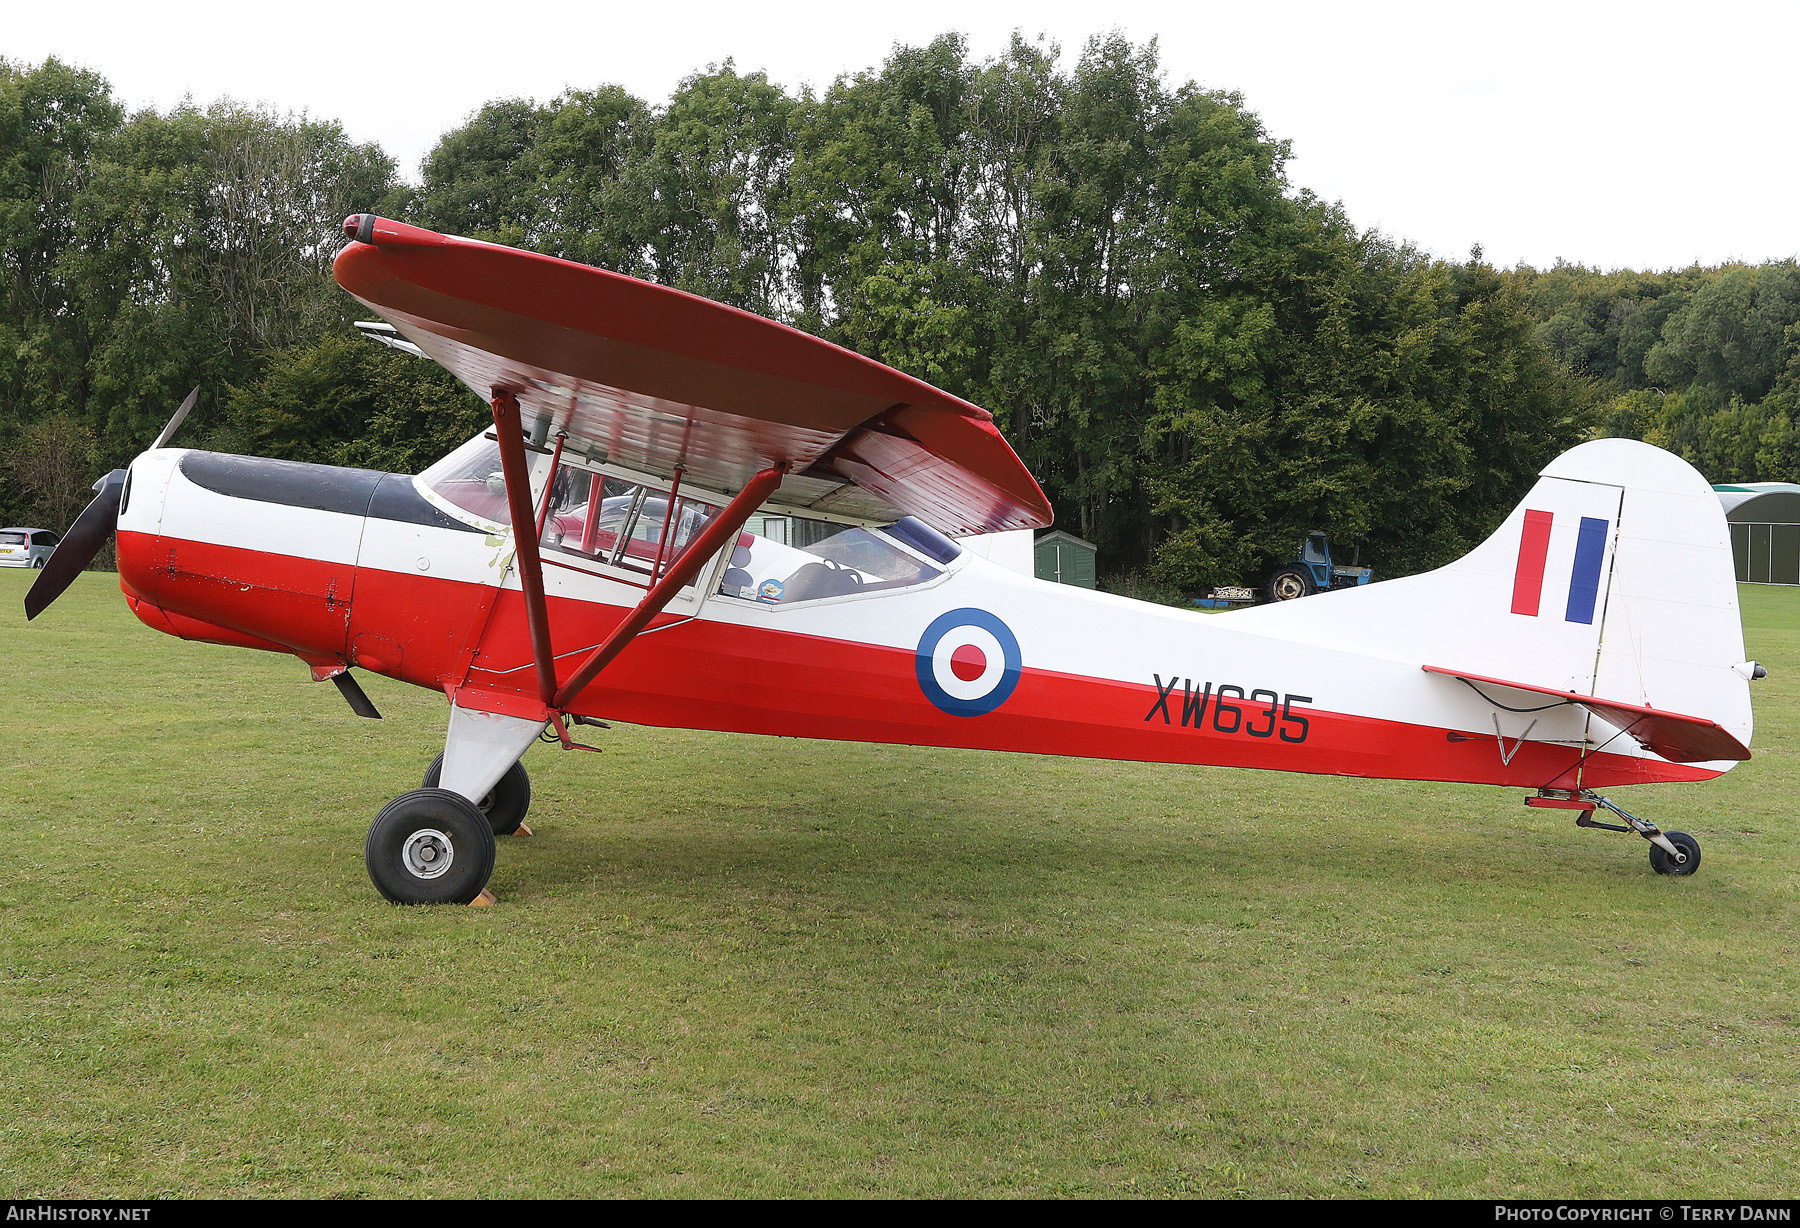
column 687, row 563
column 435, row 844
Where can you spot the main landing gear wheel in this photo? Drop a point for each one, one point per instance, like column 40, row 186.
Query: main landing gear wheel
column 430, row 846
column 1662, row 863
column 505, row 804
column 1289, row 583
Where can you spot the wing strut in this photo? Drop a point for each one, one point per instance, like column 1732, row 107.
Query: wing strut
column 510, row 434
column 720, row 529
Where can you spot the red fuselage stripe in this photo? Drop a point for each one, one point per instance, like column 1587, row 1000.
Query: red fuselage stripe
column 703, row 674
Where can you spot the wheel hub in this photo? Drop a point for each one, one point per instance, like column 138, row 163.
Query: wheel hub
column 427, row 853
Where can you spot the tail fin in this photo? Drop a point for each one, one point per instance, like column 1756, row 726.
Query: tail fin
column 1613, row 579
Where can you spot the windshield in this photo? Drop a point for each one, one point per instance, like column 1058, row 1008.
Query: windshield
column 12, row 539
column 470, row 478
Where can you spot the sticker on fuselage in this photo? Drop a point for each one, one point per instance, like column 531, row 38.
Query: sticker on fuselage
column 968, row 662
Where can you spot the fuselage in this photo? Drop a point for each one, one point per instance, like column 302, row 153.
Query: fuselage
column 382, row 572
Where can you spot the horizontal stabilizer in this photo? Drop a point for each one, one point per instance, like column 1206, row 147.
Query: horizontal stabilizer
column 1677, row 738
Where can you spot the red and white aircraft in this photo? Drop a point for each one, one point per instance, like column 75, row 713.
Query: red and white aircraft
column 736, row 526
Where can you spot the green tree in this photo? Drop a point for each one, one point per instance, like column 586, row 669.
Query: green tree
column 146, row 256
column 339, row 399
column 717, row 171
column 881, row 167
column 592, row 197
column 1731, row 335
column 481, row 179
column 51, row 118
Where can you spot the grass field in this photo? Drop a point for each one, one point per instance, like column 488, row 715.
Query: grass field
column 746, row 966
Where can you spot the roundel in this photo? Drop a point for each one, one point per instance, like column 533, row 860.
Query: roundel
column 968, row 662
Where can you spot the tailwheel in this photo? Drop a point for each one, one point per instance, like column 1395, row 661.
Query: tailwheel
column 430, row 846
column 1671, row 852
column 504, row 805
column 1687, row 848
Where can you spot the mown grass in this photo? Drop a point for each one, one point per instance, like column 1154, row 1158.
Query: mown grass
column 747, row 966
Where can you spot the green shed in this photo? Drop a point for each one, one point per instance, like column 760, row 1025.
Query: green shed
column 1065, row 559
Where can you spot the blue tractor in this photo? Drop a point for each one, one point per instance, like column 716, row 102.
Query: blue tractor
column 1312, row 571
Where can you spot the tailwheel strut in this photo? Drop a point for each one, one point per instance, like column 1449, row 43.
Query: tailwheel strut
column 1673, row 852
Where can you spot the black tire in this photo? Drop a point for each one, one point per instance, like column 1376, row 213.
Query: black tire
column 1662, row 863
column 430, row 846
column 37, row 564
column 505, row 804
column 1290, row 583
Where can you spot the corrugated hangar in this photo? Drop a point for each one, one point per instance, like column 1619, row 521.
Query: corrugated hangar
column 1765, row 530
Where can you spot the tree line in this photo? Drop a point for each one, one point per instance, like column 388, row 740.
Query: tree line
column 1197, row 360
column 1702, row 361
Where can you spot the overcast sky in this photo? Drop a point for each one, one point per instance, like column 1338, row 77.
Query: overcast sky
column 1642, row 135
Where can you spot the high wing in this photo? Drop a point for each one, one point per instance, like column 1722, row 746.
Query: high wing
column 1677, row 738
column 655, row 379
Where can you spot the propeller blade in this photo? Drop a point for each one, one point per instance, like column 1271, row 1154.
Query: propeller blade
column 79, row 545
column 168, row 431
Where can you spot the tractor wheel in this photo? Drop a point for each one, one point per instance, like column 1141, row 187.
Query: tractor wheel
column 1290, row 583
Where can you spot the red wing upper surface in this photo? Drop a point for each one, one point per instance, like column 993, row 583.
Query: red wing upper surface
column 654, row 378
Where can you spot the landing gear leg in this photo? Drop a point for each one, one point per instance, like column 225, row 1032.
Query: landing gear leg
column 481, row 762
column 1673, row 852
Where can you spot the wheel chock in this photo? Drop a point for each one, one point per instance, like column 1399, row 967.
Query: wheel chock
column 521, row 830
column 486, row 899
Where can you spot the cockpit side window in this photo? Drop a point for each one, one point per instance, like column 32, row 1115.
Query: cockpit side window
column 791, row 559
column 617, row 522
column 778, row 560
